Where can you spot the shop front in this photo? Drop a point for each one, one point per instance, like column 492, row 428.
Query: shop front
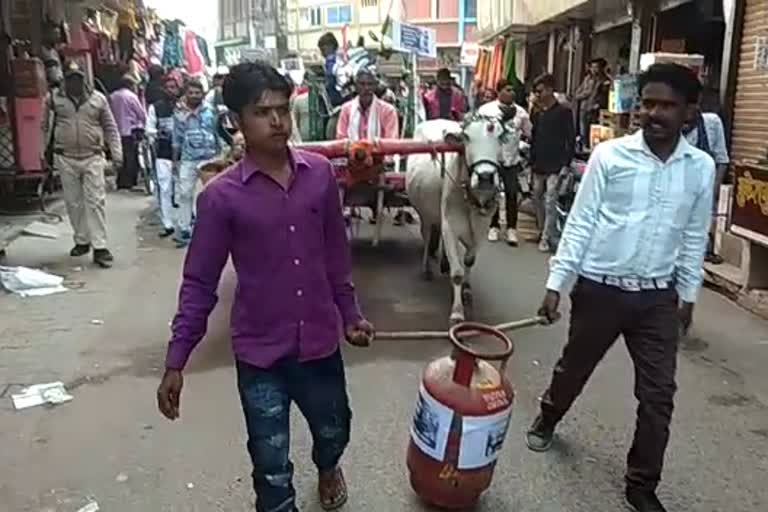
column 108, row 39
column 749, row 145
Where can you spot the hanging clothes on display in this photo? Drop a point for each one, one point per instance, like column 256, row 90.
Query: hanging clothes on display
column 497, row 63
column 109, row 24
column 202, row 44
column 157, row 48
column 173, row 55
column 192, row 55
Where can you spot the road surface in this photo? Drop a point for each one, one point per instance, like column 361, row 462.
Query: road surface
column 106, row 339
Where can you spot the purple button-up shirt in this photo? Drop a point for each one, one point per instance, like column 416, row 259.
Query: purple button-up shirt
column 128, row 111
column 292, row 258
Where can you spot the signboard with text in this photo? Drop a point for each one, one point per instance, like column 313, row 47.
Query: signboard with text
column 749, row 213
column 409, row 38
column 469, row 54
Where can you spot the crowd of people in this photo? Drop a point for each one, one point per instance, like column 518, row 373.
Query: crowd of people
column 633, row 248
column 186, row 125
column 557, row 129
column 182, row 125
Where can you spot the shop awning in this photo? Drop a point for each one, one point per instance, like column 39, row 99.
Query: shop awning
column 237, row 41
column 519, row 31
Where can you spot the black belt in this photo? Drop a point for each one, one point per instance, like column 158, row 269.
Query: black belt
column 61, row 152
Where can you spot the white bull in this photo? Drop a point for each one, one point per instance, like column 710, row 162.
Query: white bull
column 457, row 201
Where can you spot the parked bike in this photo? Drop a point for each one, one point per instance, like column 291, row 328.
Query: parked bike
column 568, row 185
column 147, row 176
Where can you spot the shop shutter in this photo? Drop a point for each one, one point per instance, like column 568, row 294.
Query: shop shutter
column 750, row 129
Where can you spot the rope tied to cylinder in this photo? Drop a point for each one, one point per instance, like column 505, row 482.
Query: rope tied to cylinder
column 440, row 335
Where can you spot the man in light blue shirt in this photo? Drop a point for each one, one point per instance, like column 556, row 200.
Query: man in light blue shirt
column 634, row 246
column 195, row 140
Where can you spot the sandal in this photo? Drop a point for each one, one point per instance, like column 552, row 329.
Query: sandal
column 332, row 489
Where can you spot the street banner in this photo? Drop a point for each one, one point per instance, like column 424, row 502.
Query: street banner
column 413, row 39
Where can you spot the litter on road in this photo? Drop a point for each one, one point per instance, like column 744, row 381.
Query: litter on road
column 91, row 507
column 29, row 282
column 53, row 393
column 45, row 230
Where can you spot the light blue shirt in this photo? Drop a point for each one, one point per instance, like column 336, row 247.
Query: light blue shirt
column 195, row 134
column 635, row 216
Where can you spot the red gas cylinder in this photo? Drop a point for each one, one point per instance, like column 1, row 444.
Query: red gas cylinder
column 461, row 420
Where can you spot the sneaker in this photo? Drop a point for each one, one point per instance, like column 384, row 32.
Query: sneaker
column 539, row 437
column 544, row 246
column 512, row 237
column 166, row 233
column 103, row 258
column 641, row 500
column 493, row 235
column 80, row 250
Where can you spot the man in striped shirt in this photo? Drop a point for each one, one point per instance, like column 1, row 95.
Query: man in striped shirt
column 634, row 244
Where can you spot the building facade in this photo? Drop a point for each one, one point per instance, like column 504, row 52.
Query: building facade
column 307, row 20
column 454, row 23
column 251, row 29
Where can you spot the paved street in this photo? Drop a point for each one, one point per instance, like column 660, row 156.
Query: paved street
column 111, row 445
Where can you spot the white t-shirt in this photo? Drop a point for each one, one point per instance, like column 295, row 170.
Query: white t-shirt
column 713, row 126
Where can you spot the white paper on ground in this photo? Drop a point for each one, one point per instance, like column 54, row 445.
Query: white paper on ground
column 39, row 394
column 91, row 507
column 29, row 282
column 44, row 230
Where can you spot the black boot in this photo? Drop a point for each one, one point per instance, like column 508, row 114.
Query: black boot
column 643, row 500
column 539, row 437
column 80, row 250
column 103, row 258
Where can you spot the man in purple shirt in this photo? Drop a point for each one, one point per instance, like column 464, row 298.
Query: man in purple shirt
column 277, row 214
column 130, row 115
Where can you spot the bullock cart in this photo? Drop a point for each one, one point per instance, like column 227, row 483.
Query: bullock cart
column 365, row 173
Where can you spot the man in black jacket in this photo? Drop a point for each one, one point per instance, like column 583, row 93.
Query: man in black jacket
column 160, row 131
column 552, row 148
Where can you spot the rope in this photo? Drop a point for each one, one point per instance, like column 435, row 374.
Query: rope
column 439, row 335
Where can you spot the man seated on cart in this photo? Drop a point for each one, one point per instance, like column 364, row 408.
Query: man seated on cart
column 366, row 117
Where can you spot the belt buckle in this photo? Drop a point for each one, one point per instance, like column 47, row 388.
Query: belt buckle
column 630, row 284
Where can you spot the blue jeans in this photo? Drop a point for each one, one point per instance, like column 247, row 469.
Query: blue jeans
column 320, row 391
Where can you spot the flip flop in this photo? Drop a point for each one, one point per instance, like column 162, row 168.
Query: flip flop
column 332, row 489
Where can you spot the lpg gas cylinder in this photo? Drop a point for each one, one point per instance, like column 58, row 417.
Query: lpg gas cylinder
column 461, row 420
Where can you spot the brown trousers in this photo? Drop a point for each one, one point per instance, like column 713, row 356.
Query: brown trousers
column 649, row 323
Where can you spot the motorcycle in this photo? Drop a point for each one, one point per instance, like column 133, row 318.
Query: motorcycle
column 147, row 176
column 568, row 185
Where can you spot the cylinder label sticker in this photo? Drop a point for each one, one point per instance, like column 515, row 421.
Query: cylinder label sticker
column 431, row 425
column 482, row 438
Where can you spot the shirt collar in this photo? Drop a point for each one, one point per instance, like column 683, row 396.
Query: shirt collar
column 248, row 168
column 683, row 149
